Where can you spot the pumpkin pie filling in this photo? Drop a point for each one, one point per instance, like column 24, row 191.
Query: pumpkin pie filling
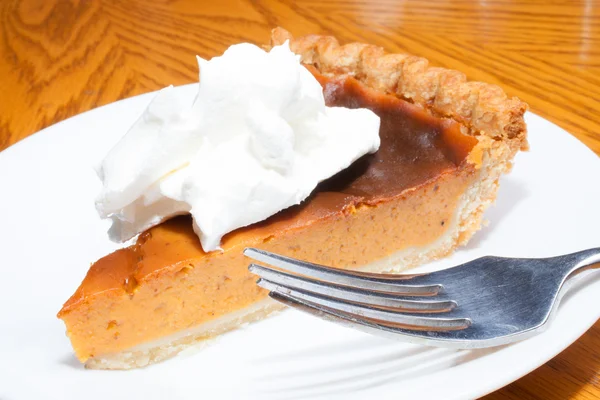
column 410, row 202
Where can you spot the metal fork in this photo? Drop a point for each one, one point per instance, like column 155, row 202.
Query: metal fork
column 486, row 302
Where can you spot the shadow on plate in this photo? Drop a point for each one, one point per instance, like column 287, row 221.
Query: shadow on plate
column 351, row 367
column 71, row 361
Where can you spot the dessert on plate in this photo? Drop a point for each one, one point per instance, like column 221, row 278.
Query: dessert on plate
column 384, row 203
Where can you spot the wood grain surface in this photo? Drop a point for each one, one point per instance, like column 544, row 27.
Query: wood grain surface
column 59, row 58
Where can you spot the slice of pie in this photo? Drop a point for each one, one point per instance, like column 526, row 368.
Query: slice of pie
column 444, row 144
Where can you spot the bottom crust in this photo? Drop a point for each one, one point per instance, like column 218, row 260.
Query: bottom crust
column 159, row 350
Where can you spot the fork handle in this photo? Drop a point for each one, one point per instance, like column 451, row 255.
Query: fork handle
column 584, row 260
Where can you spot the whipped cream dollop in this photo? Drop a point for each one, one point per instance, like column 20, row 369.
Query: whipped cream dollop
column 257, row 139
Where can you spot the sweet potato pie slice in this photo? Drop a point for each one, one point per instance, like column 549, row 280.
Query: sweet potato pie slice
column 444, row 144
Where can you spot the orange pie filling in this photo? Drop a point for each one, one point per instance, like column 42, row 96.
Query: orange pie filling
column 386, row 212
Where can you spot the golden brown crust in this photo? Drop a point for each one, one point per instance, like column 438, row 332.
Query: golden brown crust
column 483, row 108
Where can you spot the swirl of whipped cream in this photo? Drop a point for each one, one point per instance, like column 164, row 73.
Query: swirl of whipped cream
column 257, row 139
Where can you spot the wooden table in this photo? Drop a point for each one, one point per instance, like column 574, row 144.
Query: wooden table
column 59, row 58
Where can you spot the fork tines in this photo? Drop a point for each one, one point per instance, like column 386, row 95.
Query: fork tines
column 371, row 300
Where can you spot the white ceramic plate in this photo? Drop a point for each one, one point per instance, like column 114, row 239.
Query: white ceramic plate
column 49, row 234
